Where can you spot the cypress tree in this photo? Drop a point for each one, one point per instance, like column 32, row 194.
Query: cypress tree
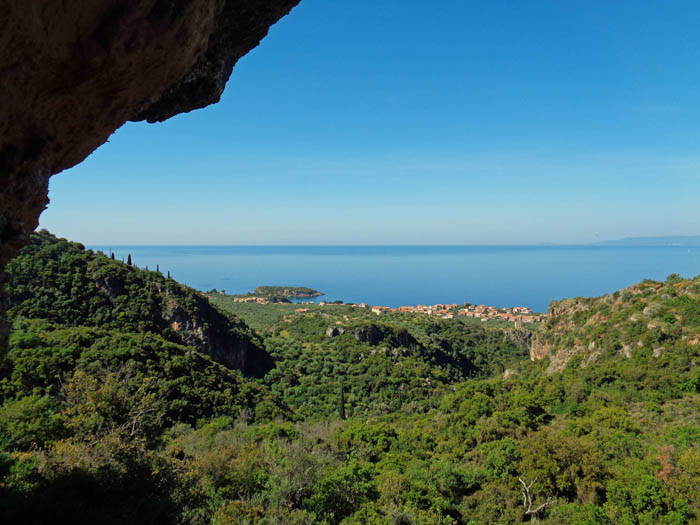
column 112, row 255
column 168, row 274
column 342, row 401
column 128, row 260
column 158, row 268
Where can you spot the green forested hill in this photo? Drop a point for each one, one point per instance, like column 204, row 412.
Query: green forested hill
column 446, row 422
column 651, row 326
column 60, row 281
column 190, row 386
column 105, row 360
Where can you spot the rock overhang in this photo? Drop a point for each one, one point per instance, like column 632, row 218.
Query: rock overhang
column 72, row 72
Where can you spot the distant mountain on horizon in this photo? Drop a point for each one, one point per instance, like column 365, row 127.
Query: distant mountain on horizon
column 670, row 240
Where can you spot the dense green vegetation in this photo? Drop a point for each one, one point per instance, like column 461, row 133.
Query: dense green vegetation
column 397, row 419
column 60, row 281
column 260, row 317
column 382, row 366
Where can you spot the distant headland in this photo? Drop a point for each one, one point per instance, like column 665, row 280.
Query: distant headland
column 290, row 292
column 280, row 294
column 670, row 240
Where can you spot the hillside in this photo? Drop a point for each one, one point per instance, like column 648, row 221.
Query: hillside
column 655, row 323
column 105, row 362
column 60, row 281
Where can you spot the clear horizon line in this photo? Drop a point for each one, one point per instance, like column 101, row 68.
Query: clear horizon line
column 101, row 244
column 301, row 245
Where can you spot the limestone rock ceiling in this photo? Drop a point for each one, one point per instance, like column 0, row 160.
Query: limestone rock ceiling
column 73, row 71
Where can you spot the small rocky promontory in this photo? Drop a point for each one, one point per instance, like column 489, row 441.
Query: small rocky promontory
column 288, row 292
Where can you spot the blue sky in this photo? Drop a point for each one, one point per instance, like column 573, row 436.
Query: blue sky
column 398, row 122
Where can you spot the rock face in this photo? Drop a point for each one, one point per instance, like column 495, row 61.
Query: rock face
column 519, row 337
column 74, row 71
column 550, row 341
column 227, row 341
column 374, row 334
column 334, row 331
column 371, row 334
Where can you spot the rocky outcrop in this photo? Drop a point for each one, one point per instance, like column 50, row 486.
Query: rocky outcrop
column 402, row 338
column 519, row 337
column 370, row 334
column 334, row 331
column 373, row 334
column 74, row 71
column 110, row 286
column 226, row 340
column 548, row 343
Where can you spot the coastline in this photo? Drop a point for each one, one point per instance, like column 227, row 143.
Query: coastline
column 395, row 276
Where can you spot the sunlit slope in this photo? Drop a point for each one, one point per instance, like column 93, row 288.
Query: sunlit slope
column 651, row 329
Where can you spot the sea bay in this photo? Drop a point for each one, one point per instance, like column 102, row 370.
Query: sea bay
column 409, row 275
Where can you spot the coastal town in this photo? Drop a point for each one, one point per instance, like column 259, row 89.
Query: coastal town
column 515, row 314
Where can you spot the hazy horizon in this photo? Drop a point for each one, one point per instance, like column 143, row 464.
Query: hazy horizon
column 606, row 241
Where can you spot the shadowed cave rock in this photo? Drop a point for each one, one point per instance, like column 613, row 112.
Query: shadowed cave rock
column 72, row 72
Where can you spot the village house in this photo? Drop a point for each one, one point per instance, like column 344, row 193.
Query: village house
column 259, row 300
column 522, row 310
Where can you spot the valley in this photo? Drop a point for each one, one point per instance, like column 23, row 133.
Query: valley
column 123, row 385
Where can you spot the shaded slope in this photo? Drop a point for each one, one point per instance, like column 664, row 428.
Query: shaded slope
column 187, row 385
column 60, row 281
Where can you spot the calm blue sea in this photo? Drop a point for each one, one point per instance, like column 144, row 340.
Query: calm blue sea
column 408, row 275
